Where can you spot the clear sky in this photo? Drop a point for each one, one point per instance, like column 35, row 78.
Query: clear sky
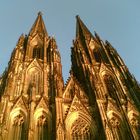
column 117, row 21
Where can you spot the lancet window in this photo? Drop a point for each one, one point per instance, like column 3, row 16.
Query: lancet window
column 38, row 52
column 80, row 130
column 42, row 128
column 110, row 86
column 135, row 124
column 17, row 129
column 116, row 125
column 35, row 80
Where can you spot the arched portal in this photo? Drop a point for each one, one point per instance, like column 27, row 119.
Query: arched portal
column 80, row 127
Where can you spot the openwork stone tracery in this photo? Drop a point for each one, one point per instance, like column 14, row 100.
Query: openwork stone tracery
column 100, row 101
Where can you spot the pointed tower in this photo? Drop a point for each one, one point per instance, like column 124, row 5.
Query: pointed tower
column 100, row 101
column 108, row 85
column 30, row 87
column 36, row 39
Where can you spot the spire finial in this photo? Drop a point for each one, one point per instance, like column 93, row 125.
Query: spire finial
column 77, row 16
column 38, row 26
column 81, row 28
column 40, row 13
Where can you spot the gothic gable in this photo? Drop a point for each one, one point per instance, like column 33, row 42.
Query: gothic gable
column 36, row 41
column 111, row 105
column 73, row 87
column 35, row 64
column 20, row 103
column 42, row 103
column 105, row 69
column 77, row 106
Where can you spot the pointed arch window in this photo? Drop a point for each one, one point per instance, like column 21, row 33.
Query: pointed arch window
column 42, row 128
column 80, row 130
column 110, row 86
column 109, row 134
column 35, row 82
column 17, row 129
column 135, row 124
column 117, row 125
column 38, row 52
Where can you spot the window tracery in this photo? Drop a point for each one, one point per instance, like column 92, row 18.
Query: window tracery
column 135, row 124
column 116, row 124
column 17, row 130
column 35, row 80
column 38, row 52
column 42, row 128
column 80, row 130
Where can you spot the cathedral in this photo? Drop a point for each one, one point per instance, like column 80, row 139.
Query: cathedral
column 100, row 100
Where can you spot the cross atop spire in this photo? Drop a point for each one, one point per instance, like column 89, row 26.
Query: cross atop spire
column 38, row 26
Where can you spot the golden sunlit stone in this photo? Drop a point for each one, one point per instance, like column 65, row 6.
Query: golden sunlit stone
column 100, row 101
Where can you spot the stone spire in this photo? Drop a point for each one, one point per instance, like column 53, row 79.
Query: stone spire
column 38, row 26
column 101, row 100
column 82, row 30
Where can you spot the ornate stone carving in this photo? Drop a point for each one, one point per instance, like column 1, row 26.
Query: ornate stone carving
column 133, row 118
column 114, row 118
column 114, row 122
column 42, row 121
column 18, row 120
column 35, row 105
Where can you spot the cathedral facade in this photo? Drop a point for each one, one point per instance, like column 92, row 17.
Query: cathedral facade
column 100, row 101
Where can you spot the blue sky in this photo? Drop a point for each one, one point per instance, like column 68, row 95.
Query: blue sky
column 117, row 21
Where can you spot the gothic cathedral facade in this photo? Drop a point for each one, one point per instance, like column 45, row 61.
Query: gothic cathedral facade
column 100, row 101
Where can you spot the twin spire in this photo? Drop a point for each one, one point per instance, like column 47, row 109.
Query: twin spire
column 39, row 27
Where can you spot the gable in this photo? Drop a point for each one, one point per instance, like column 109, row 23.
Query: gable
column 72, row 88
column 20, row 103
